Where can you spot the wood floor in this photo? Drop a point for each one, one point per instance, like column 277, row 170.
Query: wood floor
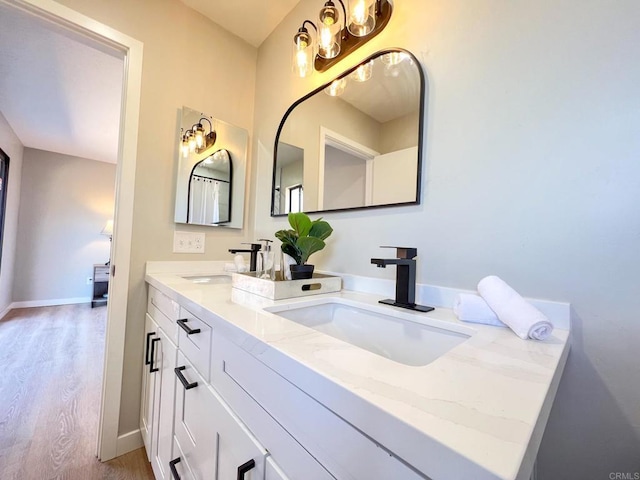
column 50, row 381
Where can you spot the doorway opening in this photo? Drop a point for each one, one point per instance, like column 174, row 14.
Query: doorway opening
column 111, row 442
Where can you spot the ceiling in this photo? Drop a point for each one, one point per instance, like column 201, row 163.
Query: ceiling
column 61, row 92
column 251, row 20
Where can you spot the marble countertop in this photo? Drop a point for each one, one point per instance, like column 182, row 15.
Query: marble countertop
column 477, row 412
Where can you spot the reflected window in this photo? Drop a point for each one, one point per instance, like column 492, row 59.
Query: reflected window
column 294, row 199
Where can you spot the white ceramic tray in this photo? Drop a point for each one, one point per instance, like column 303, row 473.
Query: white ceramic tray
column 279, row 289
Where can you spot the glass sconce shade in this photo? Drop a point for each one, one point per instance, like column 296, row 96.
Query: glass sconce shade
column 362, row 17
column 302, row 53
column 199, row 134
column 184, row 148
column 363, row 72
column 329, row 31
column 336, row 88
column 191, row 139
column 393, row 58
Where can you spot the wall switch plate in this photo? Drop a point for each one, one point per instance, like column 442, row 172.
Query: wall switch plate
column 188, row 242
column 89, row 280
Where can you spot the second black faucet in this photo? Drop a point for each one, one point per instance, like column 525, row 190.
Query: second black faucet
column 405, row 278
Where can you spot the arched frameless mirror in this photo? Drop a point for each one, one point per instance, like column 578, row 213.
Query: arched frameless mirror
column 210, row 189
column 355, row 142
column 210, row 183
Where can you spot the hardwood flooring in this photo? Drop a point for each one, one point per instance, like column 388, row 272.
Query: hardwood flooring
column 50, row 384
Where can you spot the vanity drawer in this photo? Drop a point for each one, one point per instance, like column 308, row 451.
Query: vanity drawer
column 332, row 441
column 164, row 311
column 182, row 467
column 194, row 338
column 291, row 457
column 101, row 274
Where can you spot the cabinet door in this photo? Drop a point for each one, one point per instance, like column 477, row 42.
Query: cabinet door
column 195, row 430
column 240, row 456
column 272, row 471
column 148, row 386
column 163, row 362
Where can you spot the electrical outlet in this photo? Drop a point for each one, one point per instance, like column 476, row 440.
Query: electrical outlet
column 188, row 242
column 198, row 243
column 89, row 280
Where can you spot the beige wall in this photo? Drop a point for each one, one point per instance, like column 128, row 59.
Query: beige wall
column 188, row 60
column 399, row 133
column 531, row 172
column 65, row 202
column 12, row 146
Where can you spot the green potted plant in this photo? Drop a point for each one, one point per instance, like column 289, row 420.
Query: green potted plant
column 305, row 238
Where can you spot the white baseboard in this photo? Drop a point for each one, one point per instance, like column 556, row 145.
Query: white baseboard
column 5, row 311
column 129, row 442
column 50, row 303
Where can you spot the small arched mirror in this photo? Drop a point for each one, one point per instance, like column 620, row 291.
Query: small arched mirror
column 211, row 176
column 355, row 142
column 210, row 188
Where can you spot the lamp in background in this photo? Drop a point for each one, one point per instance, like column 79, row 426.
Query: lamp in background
column 338, row 33
column 108, row 231
column 196, row 139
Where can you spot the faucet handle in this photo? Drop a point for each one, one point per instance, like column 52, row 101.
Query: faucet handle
column 404, row 252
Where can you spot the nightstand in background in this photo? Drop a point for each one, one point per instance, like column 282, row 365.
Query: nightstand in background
column 100, row 285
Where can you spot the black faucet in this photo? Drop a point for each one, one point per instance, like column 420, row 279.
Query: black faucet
column 405, row 278
column 255, row 248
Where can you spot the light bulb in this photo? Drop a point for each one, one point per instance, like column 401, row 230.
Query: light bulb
column 358, row 13
column 199, row 138
column 362, row 17
column 302, row 61
column 336, row 88
column 192, row 143
column 184, row 147
column 363, row 72
column 329, row 31
column 394, row 58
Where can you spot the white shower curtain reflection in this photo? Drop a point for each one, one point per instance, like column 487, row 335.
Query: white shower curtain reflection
column 205, row 201
column 216, row 203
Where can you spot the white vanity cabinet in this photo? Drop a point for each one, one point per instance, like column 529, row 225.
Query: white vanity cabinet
column 235, row 418
column 157, row 403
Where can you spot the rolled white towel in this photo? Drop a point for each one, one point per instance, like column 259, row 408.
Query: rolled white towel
column 522, row 317
column 473, row 308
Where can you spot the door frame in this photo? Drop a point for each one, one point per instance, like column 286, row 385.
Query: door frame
column 336, row 140
column 109, row 443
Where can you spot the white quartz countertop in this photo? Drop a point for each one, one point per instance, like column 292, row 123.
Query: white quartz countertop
column 477, row 412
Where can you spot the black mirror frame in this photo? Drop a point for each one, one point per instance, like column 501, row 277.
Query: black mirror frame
column 420, row 134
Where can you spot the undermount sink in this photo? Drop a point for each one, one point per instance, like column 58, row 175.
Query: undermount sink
column 409, row 339
column 208, row 279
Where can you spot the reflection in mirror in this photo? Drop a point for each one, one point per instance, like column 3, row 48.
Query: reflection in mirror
column 210, row 183
column 289, row 192
column 355, row 142
column 210, row 190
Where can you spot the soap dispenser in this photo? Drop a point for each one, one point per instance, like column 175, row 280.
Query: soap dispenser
column 266, row 269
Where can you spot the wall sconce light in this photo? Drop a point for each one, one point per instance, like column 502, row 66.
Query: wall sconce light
column 196, row 139
column 364, row 20
column 363, row 72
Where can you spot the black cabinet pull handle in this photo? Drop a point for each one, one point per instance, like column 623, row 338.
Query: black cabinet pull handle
column 153, row 354
column 183, row 324
column 183, row 381
column 172, row 467
column 147, row 361
column 245, row 467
